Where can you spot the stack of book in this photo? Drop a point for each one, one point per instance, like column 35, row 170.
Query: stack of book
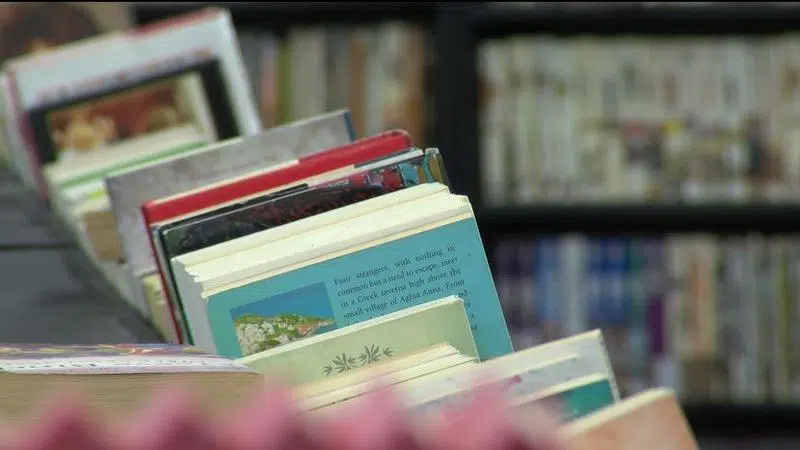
column 301, row 251
column 172, row 421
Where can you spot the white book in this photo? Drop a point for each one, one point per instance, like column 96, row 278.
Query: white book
column 210, row 29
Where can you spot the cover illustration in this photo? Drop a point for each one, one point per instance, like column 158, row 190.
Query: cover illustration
column 259, row 214
column 280, row 208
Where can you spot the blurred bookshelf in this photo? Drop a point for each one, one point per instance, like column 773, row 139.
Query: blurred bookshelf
column 455, row 98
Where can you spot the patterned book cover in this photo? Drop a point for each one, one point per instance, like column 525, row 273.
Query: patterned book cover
column 287, row 206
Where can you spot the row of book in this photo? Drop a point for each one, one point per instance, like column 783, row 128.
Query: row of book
column 272, row 419
column 709, row 316
column 380, row 72
column 593, row 119
column 299, row 251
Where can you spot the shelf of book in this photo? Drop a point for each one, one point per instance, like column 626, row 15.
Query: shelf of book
column 713, row 19
column 636, row 218
column 279, row 15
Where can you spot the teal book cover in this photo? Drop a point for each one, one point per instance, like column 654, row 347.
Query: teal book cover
column 583, row 400
column 371, row 282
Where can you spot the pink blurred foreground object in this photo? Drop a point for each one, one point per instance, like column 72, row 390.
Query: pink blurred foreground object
column 173, row 421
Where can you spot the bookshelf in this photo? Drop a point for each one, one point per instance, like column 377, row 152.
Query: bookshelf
column 709, row 419
column 458, row 28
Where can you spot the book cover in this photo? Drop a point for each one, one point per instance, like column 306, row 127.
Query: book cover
column 277, row 209
column 286, row 206
column 101, row 116
column 216, row 197
column 111, row 359
column 264, row 179
column 138, row 50
column 371, row 282
column 107, row 59
column 129, row 190
column 351, row 347
column 574, row 399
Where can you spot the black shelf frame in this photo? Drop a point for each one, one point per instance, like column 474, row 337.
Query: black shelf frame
column 744, row 18
column 640, row 218
column 457, row 28
column 280, row 15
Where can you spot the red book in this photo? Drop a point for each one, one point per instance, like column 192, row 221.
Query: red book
column 161, row 210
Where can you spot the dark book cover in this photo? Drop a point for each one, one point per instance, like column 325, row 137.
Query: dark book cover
column 263, row 213
column 295, row 203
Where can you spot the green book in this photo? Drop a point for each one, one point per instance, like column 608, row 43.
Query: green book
column 375, row 340
column 576, row 398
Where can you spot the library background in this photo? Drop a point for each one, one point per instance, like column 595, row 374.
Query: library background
column 631, row 161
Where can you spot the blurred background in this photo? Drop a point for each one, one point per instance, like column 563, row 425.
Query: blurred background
column 635, row 167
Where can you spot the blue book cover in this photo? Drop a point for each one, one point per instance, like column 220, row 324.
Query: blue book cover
column 368, row 283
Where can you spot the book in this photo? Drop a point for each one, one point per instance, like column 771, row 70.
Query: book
column 376, row 373
column 181, row 264
column 109, row 120
column 346, row 395
column 516, row 375
column 651, row 419
column 133, row 55
column 290, row 203
column 158, row 307
column 354, row 269
column 572, row 399
column 264, row 179
column 129, row 189
column 232, row 193
column 116, row 379
column 277, row 345
column 35, row 29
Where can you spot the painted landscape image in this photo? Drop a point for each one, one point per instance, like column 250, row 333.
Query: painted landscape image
column 283, row 318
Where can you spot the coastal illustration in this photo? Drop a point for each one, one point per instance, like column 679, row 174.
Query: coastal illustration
column 283, row 318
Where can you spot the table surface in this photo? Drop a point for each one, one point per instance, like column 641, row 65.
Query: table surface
column 50, row 291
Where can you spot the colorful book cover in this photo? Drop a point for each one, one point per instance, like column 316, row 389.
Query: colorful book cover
column 279, row 208
column 273, row 210
column 371, row 282
column 103, row 116
column 111, row 359
column 349, row 348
